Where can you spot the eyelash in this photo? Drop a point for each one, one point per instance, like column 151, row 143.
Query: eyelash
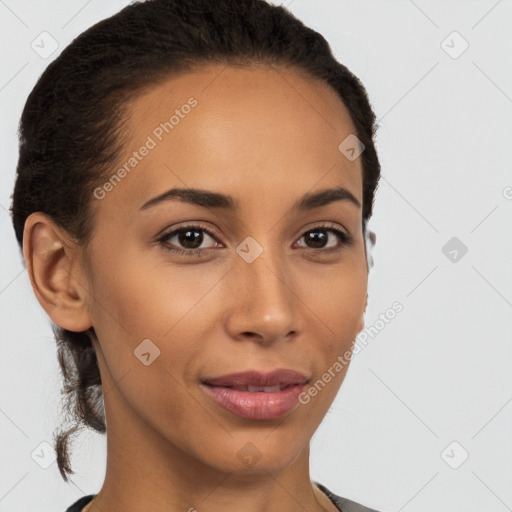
column 345, row 239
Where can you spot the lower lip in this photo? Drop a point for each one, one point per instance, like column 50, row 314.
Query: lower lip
column 258, row 405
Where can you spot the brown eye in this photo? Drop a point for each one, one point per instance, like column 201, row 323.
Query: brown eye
column 324, row 238
column 187, row 240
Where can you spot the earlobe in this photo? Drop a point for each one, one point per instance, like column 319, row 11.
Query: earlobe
column 50, row 257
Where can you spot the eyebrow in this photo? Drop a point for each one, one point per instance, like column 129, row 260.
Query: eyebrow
column 209, row 199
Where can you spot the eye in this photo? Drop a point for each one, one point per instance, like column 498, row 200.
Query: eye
column 319, row 240
column 188, row 240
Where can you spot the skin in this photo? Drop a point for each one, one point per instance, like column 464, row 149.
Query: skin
column 266, row 136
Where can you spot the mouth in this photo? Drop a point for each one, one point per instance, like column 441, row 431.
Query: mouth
column 255, row 389
column 255, row 378
column 255, row 395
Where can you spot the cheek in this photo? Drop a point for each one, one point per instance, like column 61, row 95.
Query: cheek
column 336, row 296
column 148, row 298
column 137, row 300
column 147, row 310
column 338, row 308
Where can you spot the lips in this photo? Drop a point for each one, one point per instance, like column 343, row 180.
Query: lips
column 263, row 381
column 256, row 395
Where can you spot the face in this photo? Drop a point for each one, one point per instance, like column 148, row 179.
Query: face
column 251, row 282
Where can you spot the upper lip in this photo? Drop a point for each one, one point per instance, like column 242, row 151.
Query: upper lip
column 277, row 377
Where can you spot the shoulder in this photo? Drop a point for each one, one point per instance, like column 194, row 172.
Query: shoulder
column 80, row 504
column 344, row 504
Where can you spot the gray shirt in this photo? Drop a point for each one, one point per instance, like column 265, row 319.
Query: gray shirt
column 343, row 504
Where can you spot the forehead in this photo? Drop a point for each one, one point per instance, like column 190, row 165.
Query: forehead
column 252, row 130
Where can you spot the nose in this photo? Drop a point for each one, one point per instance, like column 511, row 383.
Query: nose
column 263, row 306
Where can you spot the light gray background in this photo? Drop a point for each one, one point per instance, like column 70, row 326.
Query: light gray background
column 439, row 372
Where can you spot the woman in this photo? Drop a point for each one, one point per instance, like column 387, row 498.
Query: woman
column 210, row 362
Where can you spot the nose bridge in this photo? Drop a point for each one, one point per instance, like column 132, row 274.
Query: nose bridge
column 263, row 299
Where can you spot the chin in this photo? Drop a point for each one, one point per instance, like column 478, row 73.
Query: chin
column 259, row 453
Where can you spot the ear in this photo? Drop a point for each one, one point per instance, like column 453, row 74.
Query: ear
column 53, row 264
column 361, row 320
column 370, row 240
